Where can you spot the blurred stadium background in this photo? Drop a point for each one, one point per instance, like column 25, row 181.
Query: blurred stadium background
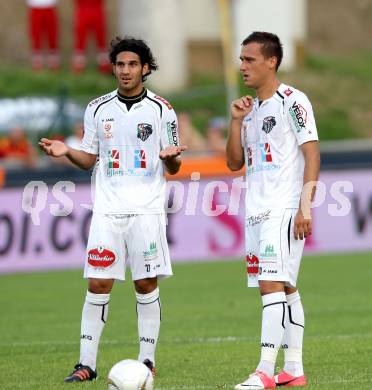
column 328, row 55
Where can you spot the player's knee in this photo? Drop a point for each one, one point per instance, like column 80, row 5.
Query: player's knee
column 146, row 286
column 100, row 286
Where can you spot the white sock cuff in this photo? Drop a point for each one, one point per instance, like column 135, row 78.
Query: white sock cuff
column 269, row 354
column 148, row 298
column 293, row 355
column 97, row 299
column 269, row 299
column 292, row 298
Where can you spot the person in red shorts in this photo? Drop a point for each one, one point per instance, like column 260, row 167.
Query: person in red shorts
column 43, row 26
column 90, row 18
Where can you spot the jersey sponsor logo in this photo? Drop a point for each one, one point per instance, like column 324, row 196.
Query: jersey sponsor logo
column 259, row 218
column 288, row 92
column 268, row 124
column 139, row 158
column 113, row 167
column 99, row 100
column 144, row 130
column 101, row 257
column 252, row 264
column 265, row 152
column 299, row 116
column 164, row 101
column 172, row 133
column 151, row 253
column 114, row 159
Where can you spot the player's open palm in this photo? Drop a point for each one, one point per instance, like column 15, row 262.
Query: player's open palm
column 241, row 107
column 171, row 152
column 302, row 226
column 53, row 148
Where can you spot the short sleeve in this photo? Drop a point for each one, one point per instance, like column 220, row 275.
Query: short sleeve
column 301, row 119
column 169, row 129
column 89, row 142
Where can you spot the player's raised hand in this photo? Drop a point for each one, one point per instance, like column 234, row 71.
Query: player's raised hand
column 241, row 107
column 53, row 148
column 302, row 226
column 171, row 152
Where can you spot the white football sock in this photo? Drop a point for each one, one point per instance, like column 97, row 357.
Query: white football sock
column 149, row 316
column 93, row 320
column 293, row 336
column 273, row 322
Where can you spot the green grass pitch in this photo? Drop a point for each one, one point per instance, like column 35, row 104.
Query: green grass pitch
column 210, row 330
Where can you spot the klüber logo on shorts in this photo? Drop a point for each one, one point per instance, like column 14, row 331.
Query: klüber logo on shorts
column 101, row 257
column 252, row 265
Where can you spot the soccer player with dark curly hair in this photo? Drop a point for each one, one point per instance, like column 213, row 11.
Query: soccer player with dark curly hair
column 134, row 133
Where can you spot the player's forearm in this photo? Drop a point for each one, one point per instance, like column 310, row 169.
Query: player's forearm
column 173, row 165
column 311, row 175
column 80, row 158
column 234, row 150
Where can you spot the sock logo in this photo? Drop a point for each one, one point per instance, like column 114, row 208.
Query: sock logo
column 147, row 340
column 267, row 345
column 86, row 337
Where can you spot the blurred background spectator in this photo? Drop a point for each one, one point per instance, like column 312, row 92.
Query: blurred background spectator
column 74, row 140
column 189, row 135
column 216, row 135
column 43, row 33
column 90, row 18
column 17, row 150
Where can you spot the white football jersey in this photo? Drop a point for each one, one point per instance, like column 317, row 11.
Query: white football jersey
column 271, row 136
column 129, row 173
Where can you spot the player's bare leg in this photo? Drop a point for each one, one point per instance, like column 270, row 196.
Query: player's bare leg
column 93, row 320
column 149, row 317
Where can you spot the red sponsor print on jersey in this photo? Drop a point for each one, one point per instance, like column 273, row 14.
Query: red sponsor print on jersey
column 114, row 159
column 250, row 156
column 101, row 257
column 266, row 152
column 288, row 92
column 164, row 102
column 252, row 264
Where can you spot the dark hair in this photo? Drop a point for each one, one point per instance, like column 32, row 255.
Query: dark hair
column 271, row 45
column 137, row 46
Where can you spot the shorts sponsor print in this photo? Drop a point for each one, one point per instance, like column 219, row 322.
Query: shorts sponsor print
column 272, row 251
column 137, row 241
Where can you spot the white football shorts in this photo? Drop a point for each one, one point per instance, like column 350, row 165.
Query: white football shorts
column 116, row 241
column 272, row 253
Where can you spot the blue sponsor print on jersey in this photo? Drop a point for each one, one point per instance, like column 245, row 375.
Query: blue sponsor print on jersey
column 139, row 158
column 144, row 130
column 268, row 124
column 266, row 152
column 266, row 163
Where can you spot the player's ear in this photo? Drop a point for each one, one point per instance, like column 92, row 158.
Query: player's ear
column 145, row 69
column 272, row 62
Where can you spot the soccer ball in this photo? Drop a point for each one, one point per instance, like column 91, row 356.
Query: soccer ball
column 130, row 375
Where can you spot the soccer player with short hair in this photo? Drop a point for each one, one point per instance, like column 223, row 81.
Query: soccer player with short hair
column 134, row 133
column 275, row 136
